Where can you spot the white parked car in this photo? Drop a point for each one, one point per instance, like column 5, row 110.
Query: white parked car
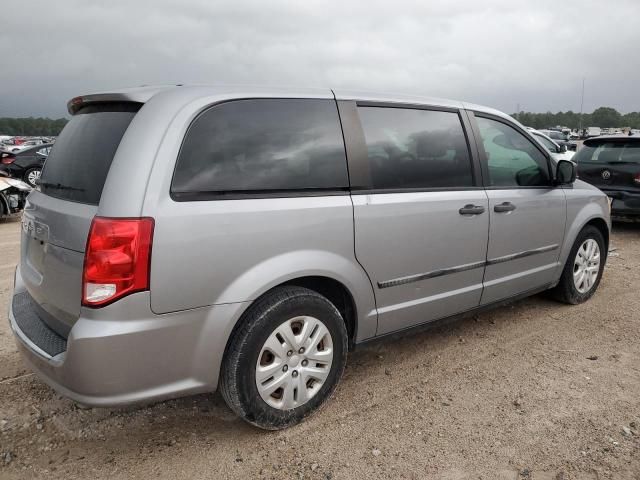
column 593, row 132
column 557, row 151
column 18, row 148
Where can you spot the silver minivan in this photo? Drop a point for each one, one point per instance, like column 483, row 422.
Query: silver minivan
column 188, row 238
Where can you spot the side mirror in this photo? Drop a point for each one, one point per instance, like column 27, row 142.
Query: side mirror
column 562, row 148
column 565, row 172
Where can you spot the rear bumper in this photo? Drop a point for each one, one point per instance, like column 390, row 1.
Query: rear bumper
column 624, row 203
column 12, row 170
column 125, row 354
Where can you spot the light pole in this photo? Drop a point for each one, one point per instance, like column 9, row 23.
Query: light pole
column 581, row 106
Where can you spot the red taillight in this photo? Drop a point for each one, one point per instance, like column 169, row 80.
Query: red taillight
column 8, row 159
column 636, row 178
column 117, row 259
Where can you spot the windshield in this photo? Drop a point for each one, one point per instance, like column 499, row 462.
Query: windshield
column 609, row 152
column 79, row 161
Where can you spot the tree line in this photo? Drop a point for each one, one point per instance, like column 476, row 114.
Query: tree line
column 30, row 126
column 603, row 117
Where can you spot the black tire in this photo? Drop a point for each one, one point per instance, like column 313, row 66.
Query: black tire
column 566, row 291
column 25, row 178
column 238, row 375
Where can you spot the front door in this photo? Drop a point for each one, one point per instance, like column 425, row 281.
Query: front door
column 527, row 214
column 421, row 224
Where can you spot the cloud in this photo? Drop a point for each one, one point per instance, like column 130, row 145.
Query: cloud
column 495, row 52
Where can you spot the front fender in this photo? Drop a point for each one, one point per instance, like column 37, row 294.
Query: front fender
column 584, row 204
column 305, row 263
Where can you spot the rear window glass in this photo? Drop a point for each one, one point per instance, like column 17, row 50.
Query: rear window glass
column 609, row 152
column 410, row 148
column 79, row 162
column 262, row 145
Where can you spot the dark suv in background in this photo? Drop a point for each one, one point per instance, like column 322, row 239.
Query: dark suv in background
column 613, row 165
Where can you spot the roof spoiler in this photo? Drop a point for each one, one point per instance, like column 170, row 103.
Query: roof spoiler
column 76, row 103
column 135, row 95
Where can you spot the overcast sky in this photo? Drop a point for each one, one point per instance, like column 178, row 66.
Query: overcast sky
column 499, row 53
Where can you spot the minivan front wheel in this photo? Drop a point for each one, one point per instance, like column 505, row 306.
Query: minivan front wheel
column 586, row 265
column 583, row 270
column 285, row 359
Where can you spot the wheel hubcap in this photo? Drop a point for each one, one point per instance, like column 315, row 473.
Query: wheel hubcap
column 33, row 177
column 294, row 362
column 586, row 266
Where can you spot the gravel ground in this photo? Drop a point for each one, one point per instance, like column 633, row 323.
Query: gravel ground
column 536, row 390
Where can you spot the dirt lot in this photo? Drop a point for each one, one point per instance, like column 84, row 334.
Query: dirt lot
column 537, row 390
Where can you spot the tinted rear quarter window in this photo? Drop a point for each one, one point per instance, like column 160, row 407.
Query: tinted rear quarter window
column 262, row 145
column 415, row 149
column 609, row 152
column 77, row 166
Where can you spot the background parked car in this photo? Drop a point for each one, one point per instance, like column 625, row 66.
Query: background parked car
column 592, row 132
column 26, row 164
column 20, row 145
column 560, row 138
column 613, row 165
column 557, row 151
column 13, row 195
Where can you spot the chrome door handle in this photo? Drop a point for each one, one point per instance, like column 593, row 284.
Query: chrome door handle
column 504, row 207
column 471, row 209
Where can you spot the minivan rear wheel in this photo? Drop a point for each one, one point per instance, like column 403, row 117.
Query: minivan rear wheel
column 285, row 358
column 583, row 269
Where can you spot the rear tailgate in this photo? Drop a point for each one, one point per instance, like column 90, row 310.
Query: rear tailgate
column 57, row 219
column 608, row 176
column 610, row 164
column 54, row 232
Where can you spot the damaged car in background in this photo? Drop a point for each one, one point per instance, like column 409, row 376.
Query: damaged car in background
column 13, row 195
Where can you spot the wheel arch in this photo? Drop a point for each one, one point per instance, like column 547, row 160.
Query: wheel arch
column 335, row 291
column 330, row 288
column 602, row 226
column 338, row 294
column 593, row 214
column 342, row 280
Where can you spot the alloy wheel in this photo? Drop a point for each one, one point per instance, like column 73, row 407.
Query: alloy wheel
column 33, row 177
column 586, row 266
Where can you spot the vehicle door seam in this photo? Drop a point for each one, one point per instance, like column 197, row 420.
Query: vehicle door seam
column 471, row 119
column 353, row 223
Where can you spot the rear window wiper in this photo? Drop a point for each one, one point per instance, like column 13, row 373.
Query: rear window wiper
column 59, row 186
